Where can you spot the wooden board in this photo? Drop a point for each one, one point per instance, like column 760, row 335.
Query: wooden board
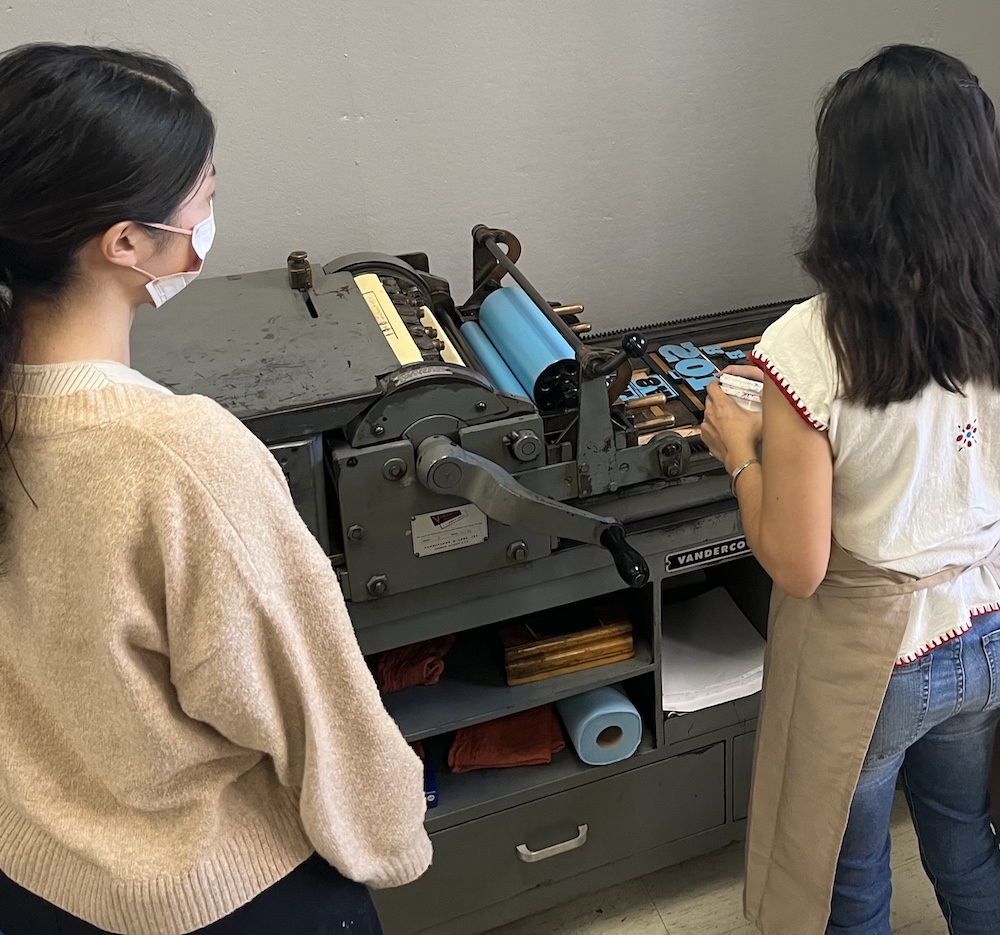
column 536, row 649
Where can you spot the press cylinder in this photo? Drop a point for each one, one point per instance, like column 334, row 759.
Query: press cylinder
column 498, row 372
column 535, row 352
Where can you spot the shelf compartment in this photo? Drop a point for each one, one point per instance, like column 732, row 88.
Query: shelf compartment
column 462, row 796
column 473, row 688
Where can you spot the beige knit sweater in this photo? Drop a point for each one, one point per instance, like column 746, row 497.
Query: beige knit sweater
column 185, row 714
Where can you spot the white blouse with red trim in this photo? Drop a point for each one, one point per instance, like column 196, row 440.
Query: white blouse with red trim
column 916, row 486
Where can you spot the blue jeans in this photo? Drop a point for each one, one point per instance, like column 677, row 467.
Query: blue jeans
column 936, row 731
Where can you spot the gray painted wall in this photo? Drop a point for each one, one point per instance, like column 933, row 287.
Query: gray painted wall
column 652, row 156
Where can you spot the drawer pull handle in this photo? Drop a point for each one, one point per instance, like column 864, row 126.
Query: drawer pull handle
column 531, row 857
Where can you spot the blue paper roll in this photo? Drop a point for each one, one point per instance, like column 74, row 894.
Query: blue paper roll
column 536, row 353
column 603, row 725
column 492, row 362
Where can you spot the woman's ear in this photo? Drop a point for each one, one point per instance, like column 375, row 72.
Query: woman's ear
column 125, row 244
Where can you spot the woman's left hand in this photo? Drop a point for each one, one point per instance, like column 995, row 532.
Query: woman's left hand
column 731, row 432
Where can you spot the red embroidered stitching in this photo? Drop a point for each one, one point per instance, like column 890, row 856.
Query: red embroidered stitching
column 782, row 384
column 977, row 611
column 934, row 643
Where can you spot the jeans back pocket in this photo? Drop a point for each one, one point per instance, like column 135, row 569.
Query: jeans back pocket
column 903, row 710
column 991, row 648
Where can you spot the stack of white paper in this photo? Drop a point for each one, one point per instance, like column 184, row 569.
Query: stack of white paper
column 711, row 653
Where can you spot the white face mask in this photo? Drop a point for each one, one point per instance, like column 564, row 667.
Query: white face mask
column 162, row 288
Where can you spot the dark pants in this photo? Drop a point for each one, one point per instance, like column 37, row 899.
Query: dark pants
column 314, row 899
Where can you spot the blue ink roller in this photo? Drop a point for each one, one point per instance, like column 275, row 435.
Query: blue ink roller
column 603, row 725
column 537, row 354
column 492, row 362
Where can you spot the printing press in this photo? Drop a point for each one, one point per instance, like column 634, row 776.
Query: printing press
column 487, row 468
column 425, row 441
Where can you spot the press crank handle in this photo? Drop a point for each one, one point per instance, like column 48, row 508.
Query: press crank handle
column 446, row 468
column 630, row 564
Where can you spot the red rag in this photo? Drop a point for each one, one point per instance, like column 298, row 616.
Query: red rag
column 528, row 738
column 416, row 664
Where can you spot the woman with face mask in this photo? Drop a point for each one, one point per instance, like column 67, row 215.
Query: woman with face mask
column 190, row 740
column 875, row 508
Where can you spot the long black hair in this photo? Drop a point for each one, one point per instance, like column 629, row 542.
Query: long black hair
column 906, row 241
column 89, row 137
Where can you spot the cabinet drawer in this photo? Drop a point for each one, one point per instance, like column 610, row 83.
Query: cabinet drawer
column 742, row 770
column 491, row 859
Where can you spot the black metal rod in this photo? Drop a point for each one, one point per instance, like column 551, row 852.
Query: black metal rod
column 449, row 319
column 486, row 238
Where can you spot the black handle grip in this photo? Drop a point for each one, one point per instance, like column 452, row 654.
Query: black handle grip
column 630, row 564
column 633, row 345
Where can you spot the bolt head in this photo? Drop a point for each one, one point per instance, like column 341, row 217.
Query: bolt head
column 517, row 551
column 394, row 469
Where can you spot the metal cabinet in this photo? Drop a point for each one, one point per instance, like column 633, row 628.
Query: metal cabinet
column 484, row 862
column 509, row 842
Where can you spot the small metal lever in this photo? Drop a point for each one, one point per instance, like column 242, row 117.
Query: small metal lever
column 446, row 468
column 633, row 345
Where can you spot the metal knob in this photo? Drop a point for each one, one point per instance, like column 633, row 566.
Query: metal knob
column 634, row 344
column 524, row 445
column 300, row 274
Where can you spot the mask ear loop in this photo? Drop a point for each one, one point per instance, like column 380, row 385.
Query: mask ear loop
column 187, row 232
column 168, row 228
column 159, row 227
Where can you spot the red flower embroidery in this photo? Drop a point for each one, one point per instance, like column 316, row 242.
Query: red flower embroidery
column 967, row 435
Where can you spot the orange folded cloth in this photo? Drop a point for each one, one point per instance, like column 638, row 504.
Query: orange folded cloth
column 416, row 664
column 528, row 738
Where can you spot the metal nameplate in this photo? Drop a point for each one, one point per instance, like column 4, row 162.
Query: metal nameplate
column 707, row 554
column 448, row 529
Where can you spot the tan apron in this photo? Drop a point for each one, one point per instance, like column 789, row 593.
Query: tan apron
column 826, row 671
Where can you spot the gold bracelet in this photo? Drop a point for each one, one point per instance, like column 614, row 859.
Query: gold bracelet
column 738, row 471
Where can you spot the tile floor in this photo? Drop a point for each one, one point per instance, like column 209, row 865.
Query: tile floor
column 703, row 897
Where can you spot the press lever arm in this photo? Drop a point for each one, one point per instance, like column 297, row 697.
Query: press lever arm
column 446, row 468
